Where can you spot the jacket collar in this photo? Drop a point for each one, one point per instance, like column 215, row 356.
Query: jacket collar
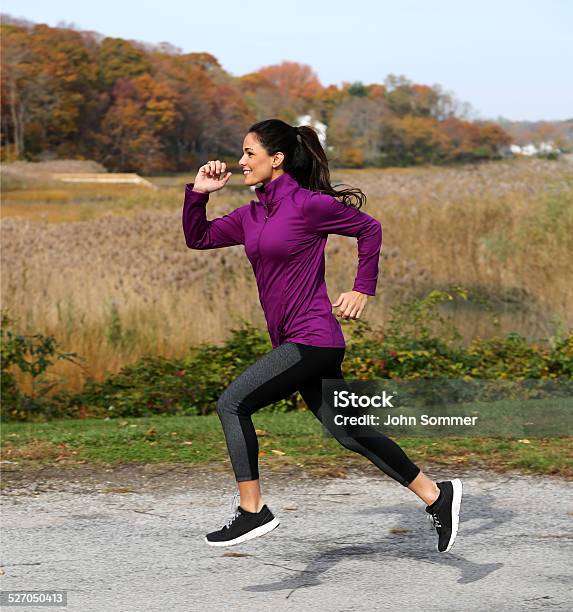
column 277, row 189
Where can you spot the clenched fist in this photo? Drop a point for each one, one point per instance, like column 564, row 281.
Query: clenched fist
column 211, row 177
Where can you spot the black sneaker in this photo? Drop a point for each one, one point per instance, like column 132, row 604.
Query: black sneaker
column 243, row 526
column 445, row 513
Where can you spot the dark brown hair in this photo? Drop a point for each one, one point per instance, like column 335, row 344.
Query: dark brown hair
column 305, row 159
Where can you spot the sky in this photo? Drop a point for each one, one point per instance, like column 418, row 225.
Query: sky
column 505, row 58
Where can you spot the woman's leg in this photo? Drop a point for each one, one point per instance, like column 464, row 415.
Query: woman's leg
column 276, row 375
column 426, row 489
column 365, row 440
column 443, row 499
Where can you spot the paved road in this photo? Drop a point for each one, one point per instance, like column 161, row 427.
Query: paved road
column 132, row 539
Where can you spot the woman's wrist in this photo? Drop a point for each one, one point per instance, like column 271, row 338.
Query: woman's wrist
column 198, row 190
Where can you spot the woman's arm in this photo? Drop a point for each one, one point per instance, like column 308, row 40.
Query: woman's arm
column 203, row 234
column 325, row 214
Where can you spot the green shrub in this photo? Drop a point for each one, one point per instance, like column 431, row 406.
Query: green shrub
column 32, row 354
column 187, row 386
column 416, row 343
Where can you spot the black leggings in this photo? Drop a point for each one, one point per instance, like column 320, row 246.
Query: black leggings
column 278, row 374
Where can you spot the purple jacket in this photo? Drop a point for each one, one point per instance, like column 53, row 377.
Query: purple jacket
column 284, row 235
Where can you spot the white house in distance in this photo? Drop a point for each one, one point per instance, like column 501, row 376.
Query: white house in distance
column 316, row 124
column 531, row 149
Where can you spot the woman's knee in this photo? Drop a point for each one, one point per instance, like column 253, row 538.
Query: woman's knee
column 347, row 440
column 229, row 404
column 224, row 406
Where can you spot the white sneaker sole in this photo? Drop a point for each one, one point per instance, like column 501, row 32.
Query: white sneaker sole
column 456, row 504
column 255, row 533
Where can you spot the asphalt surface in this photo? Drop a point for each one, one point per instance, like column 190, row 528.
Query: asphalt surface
column 132, row 539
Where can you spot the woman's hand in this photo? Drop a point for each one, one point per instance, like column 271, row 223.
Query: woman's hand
column 350, row 304
column 211, row 177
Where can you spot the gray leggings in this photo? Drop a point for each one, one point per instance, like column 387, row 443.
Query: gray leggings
column 278, row 374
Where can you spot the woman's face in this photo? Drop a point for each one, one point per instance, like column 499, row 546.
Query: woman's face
column 256, row 163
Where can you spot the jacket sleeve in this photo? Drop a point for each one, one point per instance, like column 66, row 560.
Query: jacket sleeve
column 325, row 214
column 202, row 234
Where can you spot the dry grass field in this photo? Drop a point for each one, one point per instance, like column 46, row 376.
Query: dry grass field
column 105, row 269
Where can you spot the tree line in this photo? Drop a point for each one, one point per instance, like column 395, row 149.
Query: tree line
column 145, row 108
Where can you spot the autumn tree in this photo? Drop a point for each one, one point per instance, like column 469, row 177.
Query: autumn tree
column 355, row 131
column 20, row 92
column 213, row 113
column 406, row 98
column 296, row 84
column 48, row 86
column 120, row 59
column 143, row 113
column 412, row 140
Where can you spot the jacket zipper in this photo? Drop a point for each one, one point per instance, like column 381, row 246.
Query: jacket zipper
column 258, row 245
column 279, row 329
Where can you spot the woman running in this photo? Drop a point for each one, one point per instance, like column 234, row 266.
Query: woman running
column 284, row 233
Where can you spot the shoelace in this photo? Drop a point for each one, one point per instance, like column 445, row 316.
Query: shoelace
column 234, row 509
column 435, row 520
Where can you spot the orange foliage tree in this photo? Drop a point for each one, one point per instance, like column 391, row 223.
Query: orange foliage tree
column 143, row 112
